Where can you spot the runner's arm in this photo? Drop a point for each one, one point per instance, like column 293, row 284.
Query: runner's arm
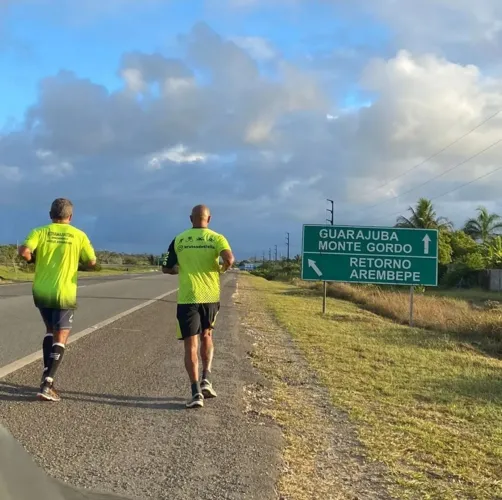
column 25, row 253
column 170, row 261
column 87, row 253
column 225, row 252
column 228, row 260
column 27, row 249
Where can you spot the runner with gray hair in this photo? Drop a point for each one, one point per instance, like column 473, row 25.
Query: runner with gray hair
column 56, row 249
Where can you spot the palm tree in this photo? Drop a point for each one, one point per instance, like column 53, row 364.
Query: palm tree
column 494, row 252
column 483, row 227
column 423, row 216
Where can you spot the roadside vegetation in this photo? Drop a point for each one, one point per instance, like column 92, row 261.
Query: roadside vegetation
column 13, row 268
column 425, row 403
column 476, row 323
column 321, row 455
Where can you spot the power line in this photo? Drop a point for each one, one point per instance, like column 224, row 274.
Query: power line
column 437, row 153
column 331, row 211
column 453, row 190
column 441, row 150
column 467, row 183
column 463, row 162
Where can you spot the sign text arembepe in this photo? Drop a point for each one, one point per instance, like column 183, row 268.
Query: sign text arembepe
column 380, row 255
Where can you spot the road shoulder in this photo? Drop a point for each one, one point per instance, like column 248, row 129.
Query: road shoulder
column 323, row 458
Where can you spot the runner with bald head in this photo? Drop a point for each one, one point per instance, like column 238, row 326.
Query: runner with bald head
column 194, row 255
column 200, row 215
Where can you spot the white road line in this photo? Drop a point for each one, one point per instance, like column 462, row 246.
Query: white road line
column 129, row 277
column 21, row 363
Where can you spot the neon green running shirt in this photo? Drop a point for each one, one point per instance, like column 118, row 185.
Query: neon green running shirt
column 58, row 249
column 197, row 252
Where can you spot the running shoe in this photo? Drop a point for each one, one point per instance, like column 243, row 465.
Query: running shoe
column 197, row 401
column 207, row 389
column 48, row 393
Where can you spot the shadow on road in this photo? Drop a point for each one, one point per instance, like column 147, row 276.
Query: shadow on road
column 15, row 392
column 22, row 479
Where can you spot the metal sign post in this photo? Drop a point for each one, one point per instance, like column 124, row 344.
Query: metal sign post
column 412, row 289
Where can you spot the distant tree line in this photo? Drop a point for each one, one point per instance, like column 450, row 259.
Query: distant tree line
column 118, row 258
column 465, row 251
column 9, row 257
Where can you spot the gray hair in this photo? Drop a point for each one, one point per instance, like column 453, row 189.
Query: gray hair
column 61, row 209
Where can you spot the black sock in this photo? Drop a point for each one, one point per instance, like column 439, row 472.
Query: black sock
column 196, row 388
column 47, row 348
column 55, row 360
column 206, row 374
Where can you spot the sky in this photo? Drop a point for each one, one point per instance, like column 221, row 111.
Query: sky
column 138, row 110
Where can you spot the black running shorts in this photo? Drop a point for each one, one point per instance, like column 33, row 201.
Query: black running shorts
column 57, row 319
column 193, row 319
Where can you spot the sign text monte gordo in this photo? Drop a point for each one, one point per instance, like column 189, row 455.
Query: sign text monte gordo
column 380, row 255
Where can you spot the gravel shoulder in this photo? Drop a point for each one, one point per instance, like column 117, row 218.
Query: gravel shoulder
column 122, row 426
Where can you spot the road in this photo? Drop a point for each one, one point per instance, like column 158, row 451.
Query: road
column 122, row 427
column 100, row 298
column 22, row 479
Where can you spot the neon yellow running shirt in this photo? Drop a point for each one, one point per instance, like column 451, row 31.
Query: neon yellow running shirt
column 197, row 252
column 58, row 249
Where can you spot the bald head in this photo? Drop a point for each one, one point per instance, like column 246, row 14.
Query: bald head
column 200, row 216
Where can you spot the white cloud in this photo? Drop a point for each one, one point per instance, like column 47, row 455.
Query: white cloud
column 10, row 173
column 60, row 169
column 177, row 154
column 43, row 154
column 257, row 47
column 178, row 84
column 133, row 79
column 52, row 165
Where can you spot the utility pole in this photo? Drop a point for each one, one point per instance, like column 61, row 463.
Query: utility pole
column 331, row 220
column 269, row 254
column 287, row 244
column 331, row 211
column 263, row 260
column 275, row 252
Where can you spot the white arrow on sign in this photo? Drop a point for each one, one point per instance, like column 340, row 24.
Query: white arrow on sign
column 426, row 241
column 313, row 265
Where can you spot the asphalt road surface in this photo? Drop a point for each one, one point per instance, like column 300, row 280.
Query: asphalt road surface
column 22, row 329
column 122, row 427
column 22, row 479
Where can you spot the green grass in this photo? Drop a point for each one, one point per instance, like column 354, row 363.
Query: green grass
column 463, row 321
column 8, row 273
column 426, row 405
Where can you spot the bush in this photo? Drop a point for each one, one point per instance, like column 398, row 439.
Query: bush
column 278, row 270
column 465, row 272
column 24, row 267
column 84, row 267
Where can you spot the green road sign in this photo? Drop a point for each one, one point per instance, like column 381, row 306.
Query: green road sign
column 379, row 255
